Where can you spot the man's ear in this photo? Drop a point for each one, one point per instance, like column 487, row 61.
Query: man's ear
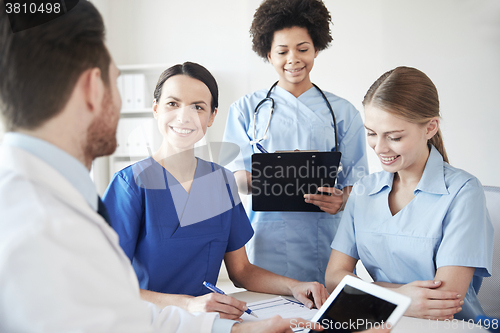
column 93, row 88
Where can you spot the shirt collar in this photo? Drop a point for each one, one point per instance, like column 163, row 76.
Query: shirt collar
column 385, row 179
column 286, row 94
column 432, row 180
column 68, row 166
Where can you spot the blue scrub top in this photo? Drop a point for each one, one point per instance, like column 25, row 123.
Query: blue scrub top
column 446, row 224
column 174, row 239
column 296, row 244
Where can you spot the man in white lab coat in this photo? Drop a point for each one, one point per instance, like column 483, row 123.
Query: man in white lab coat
column 61, row 267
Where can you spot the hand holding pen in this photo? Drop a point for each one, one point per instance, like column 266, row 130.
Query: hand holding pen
column 218, row 291
column 228, row 307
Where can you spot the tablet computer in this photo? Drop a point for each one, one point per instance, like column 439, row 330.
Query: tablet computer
column 356, row 305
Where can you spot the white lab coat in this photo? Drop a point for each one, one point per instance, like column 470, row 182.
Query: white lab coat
column 61, row 267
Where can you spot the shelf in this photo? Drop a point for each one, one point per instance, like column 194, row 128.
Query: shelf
column 142, row 68
column 145, row 110
column 143, row 113
column 128, row 158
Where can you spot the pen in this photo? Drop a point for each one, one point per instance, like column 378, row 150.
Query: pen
column 262, row 149
column 218, row 291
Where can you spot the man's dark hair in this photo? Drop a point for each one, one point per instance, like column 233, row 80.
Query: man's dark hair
column 275, row 15
column 40, row 66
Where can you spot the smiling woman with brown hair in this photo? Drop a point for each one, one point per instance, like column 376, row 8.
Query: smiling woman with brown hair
column 179, row 216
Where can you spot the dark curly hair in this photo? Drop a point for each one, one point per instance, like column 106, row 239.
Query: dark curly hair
column 275, row 15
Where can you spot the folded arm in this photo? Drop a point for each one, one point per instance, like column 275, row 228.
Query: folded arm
column 440, row 298
column 434, row 299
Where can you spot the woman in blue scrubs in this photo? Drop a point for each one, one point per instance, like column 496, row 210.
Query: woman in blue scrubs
column 421, row 226
column 178, row 216
column 289, row 35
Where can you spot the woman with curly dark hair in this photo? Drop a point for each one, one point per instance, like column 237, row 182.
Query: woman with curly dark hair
column 289, row 34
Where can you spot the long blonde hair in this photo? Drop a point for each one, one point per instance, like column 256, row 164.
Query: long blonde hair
column 409, row 94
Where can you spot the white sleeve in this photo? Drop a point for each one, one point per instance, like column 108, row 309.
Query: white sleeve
column 69, row 275
column 223, row 325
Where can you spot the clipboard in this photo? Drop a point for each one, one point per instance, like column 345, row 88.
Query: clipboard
column 280, row 180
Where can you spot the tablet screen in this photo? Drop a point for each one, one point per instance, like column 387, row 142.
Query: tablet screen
column 354, row 310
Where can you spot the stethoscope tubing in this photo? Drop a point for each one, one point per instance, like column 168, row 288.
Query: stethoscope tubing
column 269, row 98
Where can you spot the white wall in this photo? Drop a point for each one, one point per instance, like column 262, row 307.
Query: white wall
column 456, row 42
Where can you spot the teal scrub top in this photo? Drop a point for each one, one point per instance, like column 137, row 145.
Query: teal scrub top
column 174, row 239
column 446, row 224
column 296, row 244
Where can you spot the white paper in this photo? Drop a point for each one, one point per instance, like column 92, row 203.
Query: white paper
column 278, row 306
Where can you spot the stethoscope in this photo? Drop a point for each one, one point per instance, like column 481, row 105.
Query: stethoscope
column 256, row 142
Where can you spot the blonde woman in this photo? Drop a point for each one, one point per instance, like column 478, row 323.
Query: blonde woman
column 420, row 226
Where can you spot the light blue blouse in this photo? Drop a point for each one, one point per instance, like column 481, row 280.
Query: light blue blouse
column 296, row 244
column 446, row 224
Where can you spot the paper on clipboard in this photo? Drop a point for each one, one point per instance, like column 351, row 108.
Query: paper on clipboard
column 278, row 306
column 296, row 151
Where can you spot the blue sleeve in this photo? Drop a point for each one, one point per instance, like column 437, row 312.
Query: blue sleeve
column 353, row 148
column 241, row 229
column 467, row 231
column 236, row 132
column 125, row 208
column 345, row 238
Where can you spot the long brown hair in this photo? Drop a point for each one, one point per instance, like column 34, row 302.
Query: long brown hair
column 409, row 94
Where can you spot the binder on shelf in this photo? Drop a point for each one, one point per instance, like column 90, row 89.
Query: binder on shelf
column 132, row 89
column 139, row 91
column 128, row 92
